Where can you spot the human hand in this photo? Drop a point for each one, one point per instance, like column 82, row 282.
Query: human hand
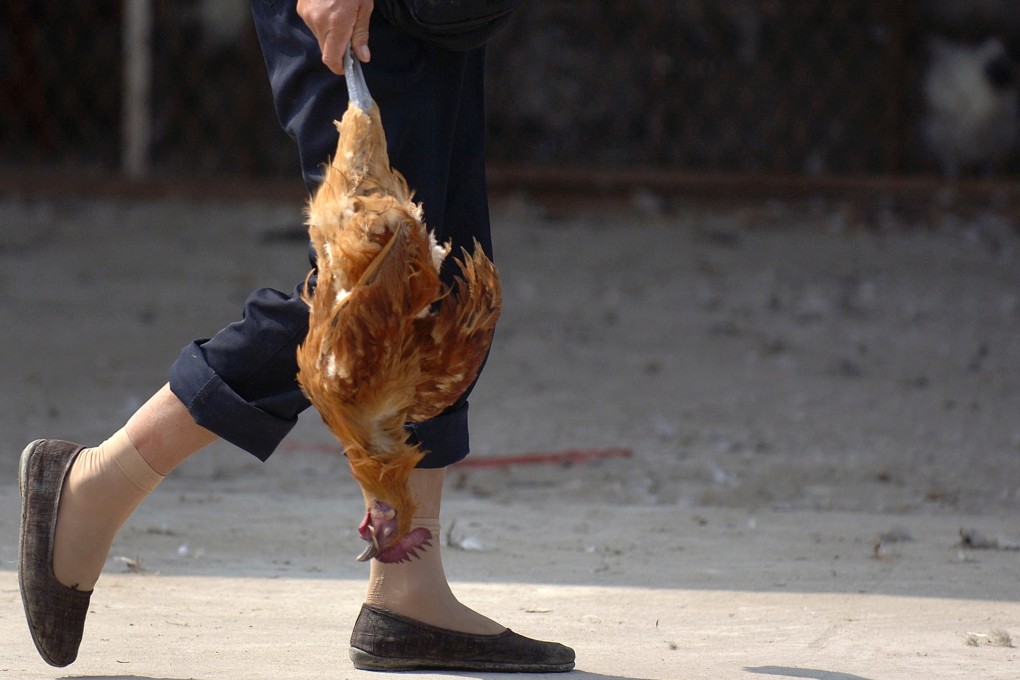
column 336, row 24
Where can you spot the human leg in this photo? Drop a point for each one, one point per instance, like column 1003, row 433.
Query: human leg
column 419, row 589
column 411, row 620
column 74, row 500
column 164, row 433
column 431, row 104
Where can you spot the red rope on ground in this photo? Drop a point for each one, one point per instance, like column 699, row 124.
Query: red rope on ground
column 569, row 456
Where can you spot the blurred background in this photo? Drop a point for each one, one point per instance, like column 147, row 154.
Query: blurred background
column 739, row 89
column 803, row 291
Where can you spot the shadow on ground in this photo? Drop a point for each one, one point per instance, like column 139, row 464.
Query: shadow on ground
column 813, row 673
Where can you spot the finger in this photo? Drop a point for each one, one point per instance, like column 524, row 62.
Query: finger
column 333, row 48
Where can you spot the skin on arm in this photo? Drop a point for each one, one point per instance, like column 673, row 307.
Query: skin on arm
column 336, row 24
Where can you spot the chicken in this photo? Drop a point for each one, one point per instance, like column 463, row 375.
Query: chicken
column 972, row 105
column 388, row 342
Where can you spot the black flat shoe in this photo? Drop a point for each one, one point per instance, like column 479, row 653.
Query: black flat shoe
column 56, row 613
column 385, row 641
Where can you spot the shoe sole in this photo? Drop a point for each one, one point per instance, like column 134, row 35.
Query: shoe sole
column 365, row 661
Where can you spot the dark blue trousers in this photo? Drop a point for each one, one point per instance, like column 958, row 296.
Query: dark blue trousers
column 241, row 384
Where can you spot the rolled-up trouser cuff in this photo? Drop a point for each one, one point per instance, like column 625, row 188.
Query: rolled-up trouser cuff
column 219, row 409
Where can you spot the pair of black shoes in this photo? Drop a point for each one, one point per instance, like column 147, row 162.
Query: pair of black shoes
column 382, row 640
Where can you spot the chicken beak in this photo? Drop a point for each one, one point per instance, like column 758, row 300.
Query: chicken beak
column 368, row 553
column 372, row 549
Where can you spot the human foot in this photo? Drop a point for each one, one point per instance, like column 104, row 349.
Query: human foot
column 103, row 487
column 383, row 640
column 418, row 589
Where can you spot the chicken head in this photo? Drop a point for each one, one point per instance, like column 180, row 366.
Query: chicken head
column 379, row 528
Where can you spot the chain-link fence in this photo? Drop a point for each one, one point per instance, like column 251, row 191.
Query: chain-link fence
column 760, row 86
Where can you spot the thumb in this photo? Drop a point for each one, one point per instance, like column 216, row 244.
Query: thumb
column 359, row 34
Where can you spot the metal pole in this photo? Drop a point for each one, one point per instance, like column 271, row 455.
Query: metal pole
column 136, row 109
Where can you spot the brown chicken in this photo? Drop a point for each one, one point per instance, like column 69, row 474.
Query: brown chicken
column 388, row 342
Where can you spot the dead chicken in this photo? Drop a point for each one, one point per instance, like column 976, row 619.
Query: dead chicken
column 388, row 343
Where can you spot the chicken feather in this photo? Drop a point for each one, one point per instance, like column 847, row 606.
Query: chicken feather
column 388, row 342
